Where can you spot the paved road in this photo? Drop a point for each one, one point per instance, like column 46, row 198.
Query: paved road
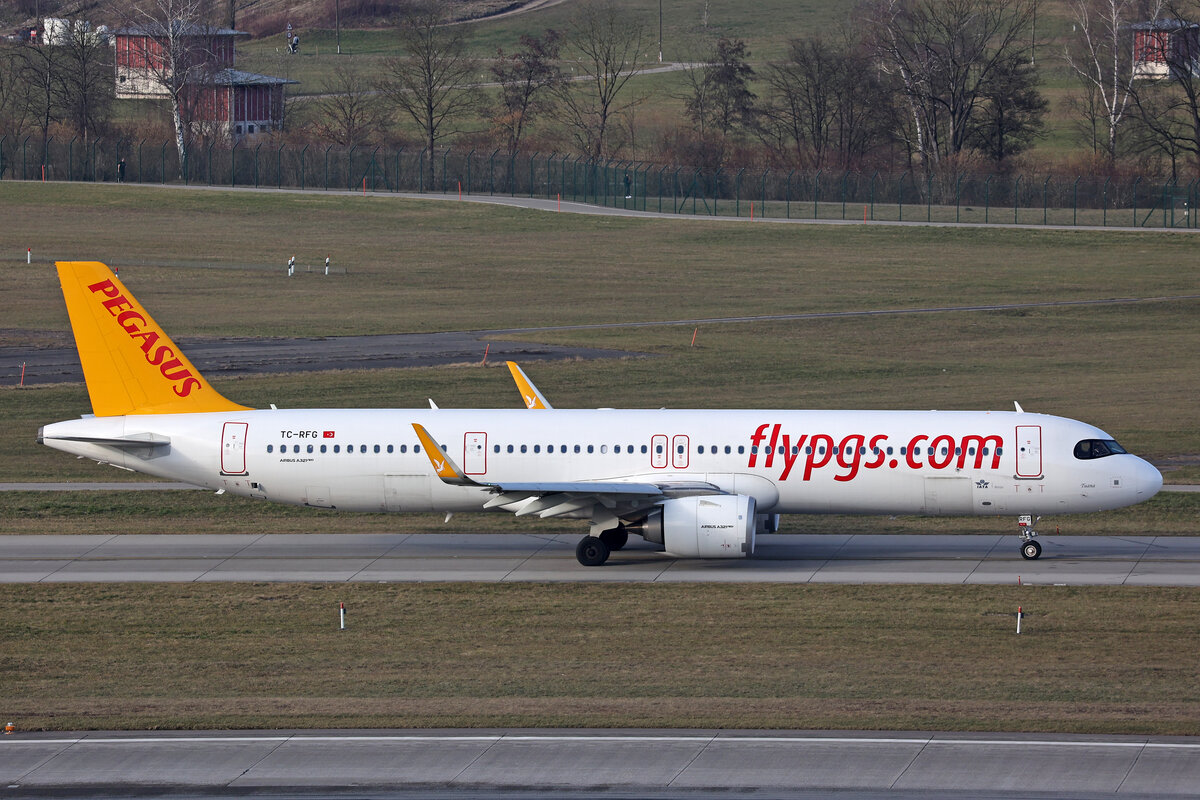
column 215, row 357
column 497, row 557
column 611, row 763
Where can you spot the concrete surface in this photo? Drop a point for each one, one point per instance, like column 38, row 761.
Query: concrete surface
column 496, row 557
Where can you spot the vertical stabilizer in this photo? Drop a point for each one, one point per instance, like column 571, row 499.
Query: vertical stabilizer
column 131, row 366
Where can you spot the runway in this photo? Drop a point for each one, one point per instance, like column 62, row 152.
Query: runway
column 610, row 763
column 502, row 557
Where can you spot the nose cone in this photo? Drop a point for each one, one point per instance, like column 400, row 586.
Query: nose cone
column 1147, row 480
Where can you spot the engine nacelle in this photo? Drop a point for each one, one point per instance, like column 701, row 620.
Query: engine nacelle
column 704, row 526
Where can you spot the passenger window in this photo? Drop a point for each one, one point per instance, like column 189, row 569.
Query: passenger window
column 322, row 448
column 728, row 449
column 658, row 448
column 537, row 448
column 591, row 449
column 700, row 449
column 644, row 450
column 295, row 448
column 495, row 448
column 616, row 448
column 270, row 448
column 741, row 449
column 603, row 449
column 416, row 448
column 337, row 448
column 510, row 448
column 679, row 449
column 753, row 448
column 376, row 448
column 310, row 448
column 389, row 448
column 403, row 448
column 362, row 448
column 576, row 448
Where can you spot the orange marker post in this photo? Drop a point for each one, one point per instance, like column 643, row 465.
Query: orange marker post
column 485, row 352
column 1019, row 615
column 342, row 615
column 694, row 332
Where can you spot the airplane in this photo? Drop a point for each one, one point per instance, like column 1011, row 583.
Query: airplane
column 697, row 483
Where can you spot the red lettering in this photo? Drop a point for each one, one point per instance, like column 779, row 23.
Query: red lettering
column 177, row 365
column 771, row 447
column 106, row 287
column 148, row 339
column 159, row 354
column 123, row 320
column 915, row 450
column 187, row 387
column 757, row 437
column 790, row 454
column 850, row 446
column 880, row 455
column 116, row 304
column 980, row 443
column 938, row 459
column 815, row 452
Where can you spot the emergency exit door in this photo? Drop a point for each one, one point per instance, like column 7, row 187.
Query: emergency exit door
column 1029, row 451
column 233, row 448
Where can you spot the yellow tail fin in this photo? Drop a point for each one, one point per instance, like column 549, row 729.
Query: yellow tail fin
column 131, row 366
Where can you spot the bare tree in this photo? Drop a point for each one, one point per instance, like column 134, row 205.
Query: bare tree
column 175, row 59
column 1101, row 58
column 944, row 53
column 527, row 81
column 606, row 45
column 434, row 81
column 827, row 104
column 348, row 111
column 87, row 79
column 1168, row 108
column 14, row 109
column 41, row 71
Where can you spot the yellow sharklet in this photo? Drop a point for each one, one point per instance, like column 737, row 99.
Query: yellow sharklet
column 443, row 465
column 529, row 393
column 131, row 366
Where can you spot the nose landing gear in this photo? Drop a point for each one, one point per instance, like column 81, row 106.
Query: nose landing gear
column 1030, row 547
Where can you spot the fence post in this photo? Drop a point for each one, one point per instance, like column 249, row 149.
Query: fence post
column 928, row 196
column 1016, row 191
column 845, row 190
column 71, row 158
column 958, row 197
column 900, row 198
column 1046, row 201
column 737, row 193
column 210, row 160
column 874, row 175
column 1133, row 198
column 256, row 149
column 303, row 150
column 1075, row 201
column 279, row 167
column 987, row 198
column 233, row 163
column 3, row 140
column 816, row 193
column 788, row 194
column 163, row 174
column 24, row 157
column 1104, row 218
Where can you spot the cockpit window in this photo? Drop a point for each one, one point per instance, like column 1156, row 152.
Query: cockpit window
column 1097, row 448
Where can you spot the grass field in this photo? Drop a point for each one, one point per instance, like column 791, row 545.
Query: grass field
column 242, row 655
column 710, row 656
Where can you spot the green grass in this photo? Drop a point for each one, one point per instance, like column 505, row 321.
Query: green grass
column 1096, row 660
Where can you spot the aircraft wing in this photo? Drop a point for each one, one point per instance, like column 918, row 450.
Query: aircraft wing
column 558, row 498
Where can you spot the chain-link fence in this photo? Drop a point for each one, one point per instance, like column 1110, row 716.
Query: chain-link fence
column 796, row 194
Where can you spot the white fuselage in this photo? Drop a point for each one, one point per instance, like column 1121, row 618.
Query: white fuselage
column 790, row 462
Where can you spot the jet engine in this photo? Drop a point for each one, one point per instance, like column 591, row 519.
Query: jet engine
column 703, row 526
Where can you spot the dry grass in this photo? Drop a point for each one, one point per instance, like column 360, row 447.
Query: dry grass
column 124, row 656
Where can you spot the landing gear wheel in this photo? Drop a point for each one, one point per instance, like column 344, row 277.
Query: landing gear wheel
column 615, row 538
column 591, row 551
column 1031, row 550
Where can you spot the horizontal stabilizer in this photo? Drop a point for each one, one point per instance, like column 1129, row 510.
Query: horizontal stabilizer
column 128, row 441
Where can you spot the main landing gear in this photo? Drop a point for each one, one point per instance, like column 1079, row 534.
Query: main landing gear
column 1030, row 547
column 592, row 551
